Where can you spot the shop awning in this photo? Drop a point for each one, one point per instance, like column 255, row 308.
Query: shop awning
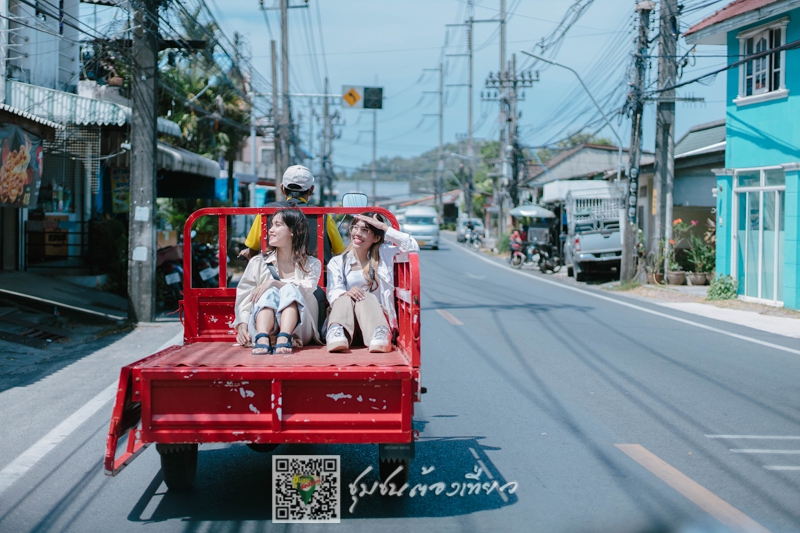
column 67, row 108
column 174, row 159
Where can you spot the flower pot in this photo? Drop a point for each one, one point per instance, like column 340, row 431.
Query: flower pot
column 710, row 276
column 655, row 278
column 697, row 278
column 676, row 277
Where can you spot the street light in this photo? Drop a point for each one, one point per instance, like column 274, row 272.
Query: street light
column 619, row 156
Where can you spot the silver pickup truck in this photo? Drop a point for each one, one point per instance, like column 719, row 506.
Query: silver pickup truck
column 594, row 242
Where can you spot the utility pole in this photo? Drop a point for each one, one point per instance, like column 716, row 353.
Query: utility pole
column 324, row 169
column 141, row 220
column 636, row 105
column 500, row 192
column 286, row 114
column 374, row 155
column 665, row 127
column 468, row 183
column 277, row 123
column 440, row 165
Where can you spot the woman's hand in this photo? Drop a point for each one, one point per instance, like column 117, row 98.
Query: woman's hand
column 374, row 222
column 261, row 289
column 356, row 294
column 242, row 335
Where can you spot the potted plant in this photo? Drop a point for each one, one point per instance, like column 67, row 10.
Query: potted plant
column 710, row 238
column 675, row 273
column 697, row 255
column 654, row 266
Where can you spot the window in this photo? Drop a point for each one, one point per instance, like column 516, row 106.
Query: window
column 763, row 77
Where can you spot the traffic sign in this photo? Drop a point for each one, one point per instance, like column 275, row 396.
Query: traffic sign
column 360, row 97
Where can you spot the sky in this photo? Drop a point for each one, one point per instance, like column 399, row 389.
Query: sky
column 389, row 44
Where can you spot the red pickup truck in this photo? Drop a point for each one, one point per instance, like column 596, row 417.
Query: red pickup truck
column 209, row 390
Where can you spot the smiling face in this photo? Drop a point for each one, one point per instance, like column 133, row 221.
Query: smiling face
column 362, row 235
column 280, row 236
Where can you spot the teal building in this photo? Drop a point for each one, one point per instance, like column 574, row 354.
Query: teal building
column 758, row 191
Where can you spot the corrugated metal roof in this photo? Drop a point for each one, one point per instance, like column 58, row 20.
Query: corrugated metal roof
column 34, row 118
column 738, row 7
column 67, row 108
column 176, row 159
column 701, row 136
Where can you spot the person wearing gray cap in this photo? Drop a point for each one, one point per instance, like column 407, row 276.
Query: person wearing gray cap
column 297, row 186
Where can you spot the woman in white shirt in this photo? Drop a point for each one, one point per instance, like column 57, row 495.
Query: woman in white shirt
column 276, row 292
column 361, row 284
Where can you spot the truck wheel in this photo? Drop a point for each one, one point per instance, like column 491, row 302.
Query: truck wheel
column 388, row 466
column 435, row 247
column 178, row 465
column 570, row 272
column 262, row 448
column 580, row 273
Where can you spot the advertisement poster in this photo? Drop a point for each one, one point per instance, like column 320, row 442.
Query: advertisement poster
column 22, row 164
column 120, row 190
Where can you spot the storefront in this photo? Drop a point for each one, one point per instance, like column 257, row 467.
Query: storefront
column 22, row 165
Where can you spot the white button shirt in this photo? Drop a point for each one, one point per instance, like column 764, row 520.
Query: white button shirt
column 395, row 242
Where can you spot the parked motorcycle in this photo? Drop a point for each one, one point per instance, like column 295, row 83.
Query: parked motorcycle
column 205, row 266
column 169, row 276
column 525, row 254
column 549, row 261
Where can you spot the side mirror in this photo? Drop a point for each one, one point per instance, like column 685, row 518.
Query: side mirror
column 355, row 199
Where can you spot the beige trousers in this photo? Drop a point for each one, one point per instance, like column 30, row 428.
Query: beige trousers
column 365, row 315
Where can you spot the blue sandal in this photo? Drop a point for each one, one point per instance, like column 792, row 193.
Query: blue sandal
column 283, row 345
column 258, row 346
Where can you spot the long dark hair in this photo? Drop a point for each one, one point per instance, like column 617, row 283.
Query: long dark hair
column 374, row 254
column 297, row 223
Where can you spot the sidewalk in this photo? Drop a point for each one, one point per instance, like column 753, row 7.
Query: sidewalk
column 52, row 291
column 692, row 300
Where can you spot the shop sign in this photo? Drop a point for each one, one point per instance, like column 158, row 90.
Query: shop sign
column 22, row 164
column 120, row 190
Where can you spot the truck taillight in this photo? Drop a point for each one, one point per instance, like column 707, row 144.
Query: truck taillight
column 577, row 244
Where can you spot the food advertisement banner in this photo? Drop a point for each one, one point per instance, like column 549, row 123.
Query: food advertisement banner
column 22, row 165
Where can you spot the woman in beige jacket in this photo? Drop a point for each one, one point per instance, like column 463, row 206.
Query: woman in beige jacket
column 276, row 292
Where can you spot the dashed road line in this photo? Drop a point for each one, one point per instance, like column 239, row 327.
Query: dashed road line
column 794, row 468
column 450, row 318
column 696, row 493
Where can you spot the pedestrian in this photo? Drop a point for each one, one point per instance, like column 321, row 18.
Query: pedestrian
column 276, row 293
column 361, row 285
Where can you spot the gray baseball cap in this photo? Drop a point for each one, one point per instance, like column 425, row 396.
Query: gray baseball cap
column 298, row 178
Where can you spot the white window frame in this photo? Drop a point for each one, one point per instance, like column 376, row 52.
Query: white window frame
column 768, row 93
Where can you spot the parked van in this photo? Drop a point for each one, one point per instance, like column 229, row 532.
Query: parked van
column 422, row 223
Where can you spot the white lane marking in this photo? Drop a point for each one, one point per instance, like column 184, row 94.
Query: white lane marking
column 450, row 318
column 486, row 471
column 765, row 437
column 792, row 468
column 746, row 450
column 633, row 306
column 27, row 459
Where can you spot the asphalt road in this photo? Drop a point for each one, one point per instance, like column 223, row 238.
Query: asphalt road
column 597, row 406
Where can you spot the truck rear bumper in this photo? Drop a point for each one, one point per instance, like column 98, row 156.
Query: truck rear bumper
column 215, row 392
column 597, row 257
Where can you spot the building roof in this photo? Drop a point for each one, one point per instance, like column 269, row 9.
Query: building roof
column 737, row 14
column 39, row 120
column 701, row 138
column 584, row 161
column 67, row 108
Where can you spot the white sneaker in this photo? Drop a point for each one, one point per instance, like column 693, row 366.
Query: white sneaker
column 381, row 340
column 336, row 339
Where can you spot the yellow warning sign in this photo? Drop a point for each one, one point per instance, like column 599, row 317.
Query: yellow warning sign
column 352, row 97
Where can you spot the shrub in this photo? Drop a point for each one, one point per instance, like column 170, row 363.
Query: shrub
column 505, row 243
column 722, row 288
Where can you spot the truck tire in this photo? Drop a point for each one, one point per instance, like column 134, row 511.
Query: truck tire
column 178, row 465
column 570, row 272
column 388, row 466
column 580, row 273
column 262, row 447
